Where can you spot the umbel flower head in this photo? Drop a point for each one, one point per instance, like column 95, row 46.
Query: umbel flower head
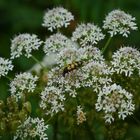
column 118, row 22
column 126, row 60
column 97, row 75
column 87, row 34
column 24, row 44
column 56, row 43
column 57, row 18
column 23, row 83
column 69, row 55
column 5, row 66
column 52, row 99
column 113, row 100
column 32, row 128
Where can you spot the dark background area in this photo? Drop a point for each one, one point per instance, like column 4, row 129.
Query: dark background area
column 26, row 16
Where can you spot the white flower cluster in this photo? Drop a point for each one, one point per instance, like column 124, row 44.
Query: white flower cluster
column 32, row 128
column 55, row 43
column 97, row 75
column 81, row 116
column 23, row 83
column 60, row 75
column 126, row 60
column 118, row 22
column 113, row 100
column 69, row 55
column 5, row 66
column 52, row 99
column 24, row 44
column 57, row 18
column 74, row 70
column 87, row 34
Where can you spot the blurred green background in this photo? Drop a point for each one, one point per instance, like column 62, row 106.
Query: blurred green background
column 26, row 16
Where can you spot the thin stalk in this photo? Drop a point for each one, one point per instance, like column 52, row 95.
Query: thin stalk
column 36, row 60
column 9, row 78
column 48, row 120
column 106, row 45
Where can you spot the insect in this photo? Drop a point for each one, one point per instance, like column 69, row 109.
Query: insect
column 71, row 67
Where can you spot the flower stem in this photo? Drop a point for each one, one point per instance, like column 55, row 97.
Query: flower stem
column 48, row 120
column 36, row 60
column 106, row 45
column 9, row 78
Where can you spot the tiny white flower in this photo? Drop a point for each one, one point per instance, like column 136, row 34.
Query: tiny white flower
column 97, row 75
column 125, row 61
column 5, row 66
column 69, row 55
column 32, row 128
column 24, row 44
column 118, row 22
column 56, row 18
column 23, row 83
column 52, row 99
column 113, row 100
column 56, row 43
column 108, row 118
column 87, row 34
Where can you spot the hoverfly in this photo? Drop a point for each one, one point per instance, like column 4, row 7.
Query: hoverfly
column 71, row 67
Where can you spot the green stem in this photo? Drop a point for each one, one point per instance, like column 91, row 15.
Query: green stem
column 36, row 60
column 106, row 45
column 9, row 78
column 48, row 120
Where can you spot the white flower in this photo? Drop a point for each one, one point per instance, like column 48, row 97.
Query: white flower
column 5, row 66
column 87, row 34
column 118, row 22
column 69, row 55
column 126, row 60
column 56, row 42
column 24, row 44
column 81, row 116
column 23, row 83
column 97, row 75
column 113, row 100
column 52, row 99
column 96, row 68
column 73, row 54
column 57, row 18
column 32, row 128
